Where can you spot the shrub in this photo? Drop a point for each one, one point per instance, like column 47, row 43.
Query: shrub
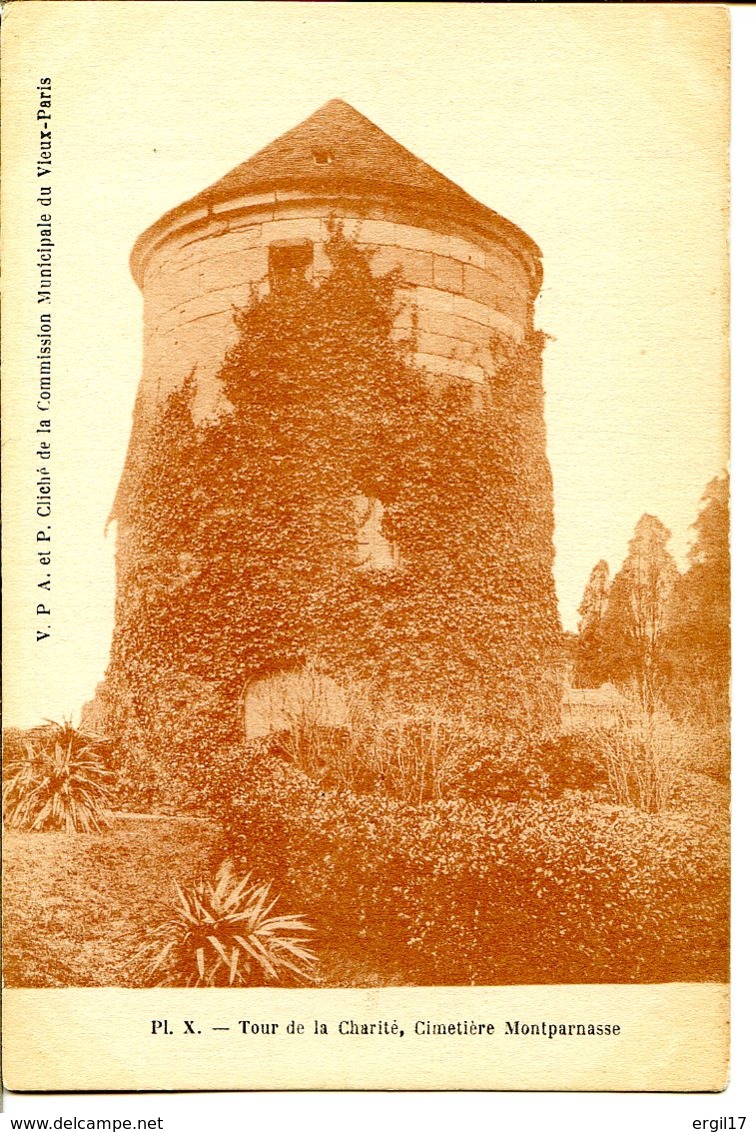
column 383, row 746
column 508, row 771
column 375, row 742
column 418, row 751
column 702, row 710
column 56, row 780
column 422, row 752
column 643, row 752
column 463, row 890
column 573, row 761
column 160, row 739
column 223, row 932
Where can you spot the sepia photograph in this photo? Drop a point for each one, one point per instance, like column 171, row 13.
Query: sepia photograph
column 367, row 567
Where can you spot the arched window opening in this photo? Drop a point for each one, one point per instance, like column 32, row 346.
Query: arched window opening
column 376, row 548
column 293, row 701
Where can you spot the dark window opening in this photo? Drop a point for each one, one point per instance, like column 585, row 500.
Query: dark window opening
column 290, row 262
column 322, row 156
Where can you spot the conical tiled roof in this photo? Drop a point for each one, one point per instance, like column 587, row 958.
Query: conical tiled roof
column 351, row 148
column 338, row 149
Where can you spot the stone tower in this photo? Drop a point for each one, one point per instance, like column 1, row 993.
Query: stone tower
column 467, row 283
column 469, row 273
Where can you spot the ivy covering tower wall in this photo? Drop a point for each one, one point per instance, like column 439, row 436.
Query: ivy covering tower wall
column 237, row 541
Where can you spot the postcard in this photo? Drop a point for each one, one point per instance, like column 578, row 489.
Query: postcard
column 366, row 570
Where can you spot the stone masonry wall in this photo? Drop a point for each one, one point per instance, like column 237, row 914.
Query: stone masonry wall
column 459, row 289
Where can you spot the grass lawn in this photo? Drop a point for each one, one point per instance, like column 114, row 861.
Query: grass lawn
column 74, row 903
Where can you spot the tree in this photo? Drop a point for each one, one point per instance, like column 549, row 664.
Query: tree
column 632, row 632
column 595, row 598
column 699, row 643
column 590, row 663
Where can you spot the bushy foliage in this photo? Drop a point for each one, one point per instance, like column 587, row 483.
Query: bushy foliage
column 324, row 405
column 590, row 656
column 623, row 625
column 698, row 645
column 643, row 751
column 702, row 710
column 483, row 890
column 56, row 779
column 224, row 932
column 572, row 762
column 403, row 749
column 410, row 751
column 162, row 730
column 659, row 628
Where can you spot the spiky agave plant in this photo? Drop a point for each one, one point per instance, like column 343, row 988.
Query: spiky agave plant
column 224, row 932
column 57, row 782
